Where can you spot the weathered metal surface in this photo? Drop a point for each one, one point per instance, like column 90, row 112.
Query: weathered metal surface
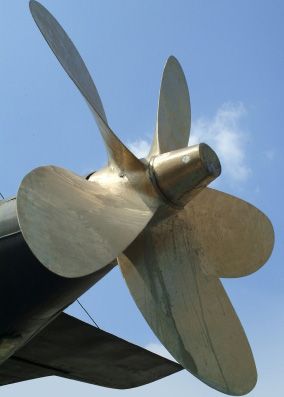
column 13, row 371
column 71, row 61
column 73, row 349
column 76, row 227
column 174, row 116
column 231, row 236
column 188, row 310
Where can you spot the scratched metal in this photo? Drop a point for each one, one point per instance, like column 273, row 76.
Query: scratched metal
column 188, row 310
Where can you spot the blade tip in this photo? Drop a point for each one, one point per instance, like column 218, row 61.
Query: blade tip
column 33, row 4
column 172, row 60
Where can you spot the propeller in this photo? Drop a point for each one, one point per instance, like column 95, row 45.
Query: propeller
column 173, row 236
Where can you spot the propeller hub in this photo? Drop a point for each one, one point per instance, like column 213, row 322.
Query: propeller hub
column 181, row 174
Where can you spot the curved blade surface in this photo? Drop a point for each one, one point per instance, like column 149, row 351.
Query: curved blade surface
column 232, row 237
column 174, row 116
column 188, row 310
column 67, row 55
column 73, row 64
column 75, row 227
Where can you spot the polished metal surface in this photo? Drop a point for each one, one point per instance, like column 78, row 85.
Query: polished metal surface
column 181, row 174
column 174, row 115
column 68, row 56
column 231, row 236
column 188, row 310
column 75, row 227
column 71, row 61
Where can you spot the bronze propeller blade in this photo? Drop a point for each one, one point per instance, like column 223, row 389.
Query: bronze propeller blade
column 73, row 64
column 75, row 227
column 68, row 56
column 174, row 115
column 231, row 236
column 188, row 310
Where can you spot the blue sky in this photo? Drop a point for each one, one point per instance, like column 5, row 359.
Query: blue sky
column 233, row 58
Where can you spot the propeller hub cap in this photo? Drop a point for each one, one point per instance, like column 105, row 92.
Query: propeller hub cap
column 181, row 174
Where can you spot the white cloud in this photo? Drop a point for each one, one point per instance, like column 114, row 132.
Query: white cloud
column 140, row 148
column 224, row 134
